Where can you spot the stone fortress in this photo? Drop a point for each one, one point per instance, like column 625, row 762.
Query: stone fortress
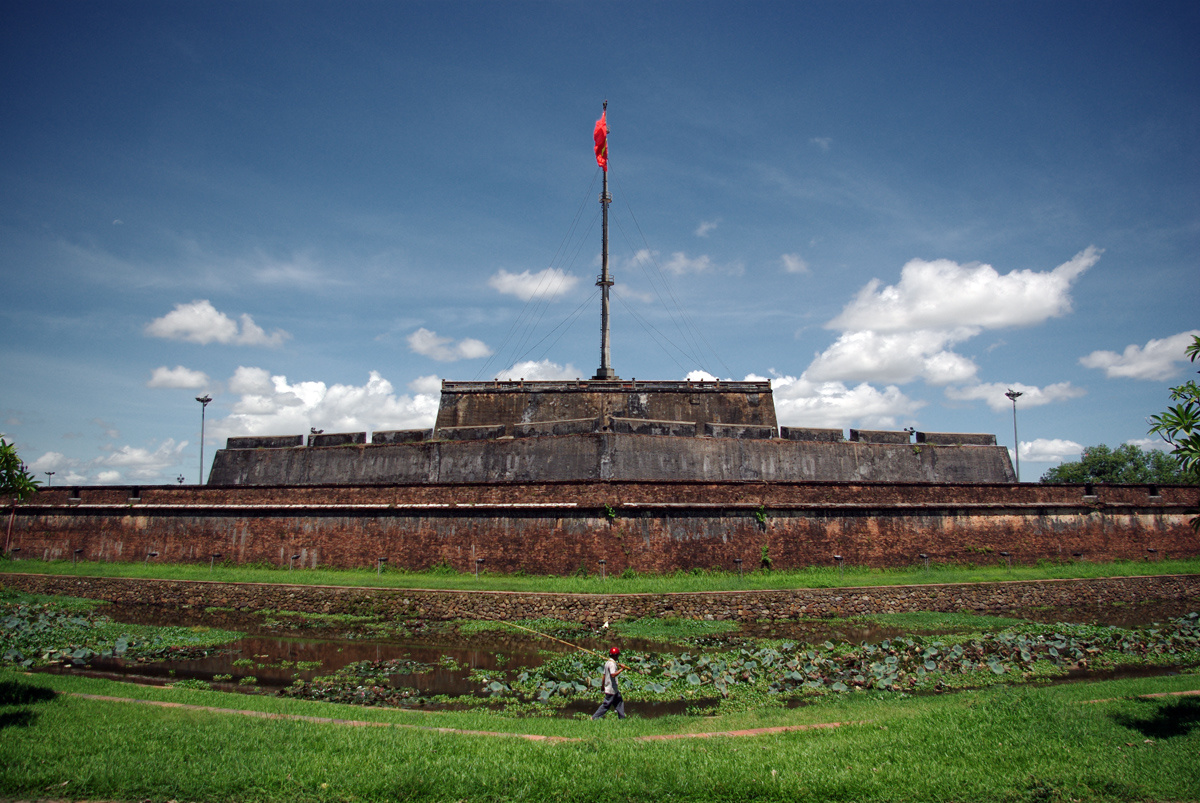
column 517, row 431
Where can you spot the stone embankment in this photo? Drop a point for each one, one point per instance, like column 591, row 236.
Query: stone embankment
column 592, row 609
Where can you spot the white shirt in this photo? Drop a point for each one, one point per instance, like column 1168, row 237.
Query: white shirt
column 610, row 679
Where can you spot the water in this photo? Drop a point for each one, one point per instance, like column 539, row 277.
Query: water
column 277, row 652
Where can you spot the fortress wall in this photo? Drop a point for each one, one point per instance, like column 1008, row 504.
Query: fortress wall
column 613, row 456
column 509, row 403
column 653, row 527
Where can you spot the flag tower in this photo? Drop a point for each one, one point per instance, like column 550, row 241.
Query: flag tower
column 604, row 280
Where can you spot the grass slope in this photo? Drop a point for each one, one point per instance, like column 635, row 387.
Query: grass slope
column 700, row 580
column 1030, row 743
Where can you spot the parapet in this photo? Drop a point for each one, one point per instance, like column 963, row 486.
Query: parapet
column 811, row 435
column 337, row 438
column 400, row 436
column 956, row 438
column 879, row 436
column 265, row 442
column 516, row 403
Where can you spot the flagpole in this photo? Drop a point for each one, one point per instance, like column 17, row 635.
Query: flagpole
column 604, row 281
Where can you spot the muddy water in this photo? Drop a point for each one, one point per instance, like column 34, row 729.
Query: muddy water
column 275, row 653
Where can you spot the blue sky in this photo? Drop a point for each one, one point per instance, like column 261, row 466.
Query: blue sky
column 314, row 212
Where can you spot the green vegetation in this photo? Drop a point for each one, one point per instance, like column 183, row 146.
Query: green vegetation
column 1125, row 464
column 36, row 632
column 990, row 569
column 15, row 481
column 1179, row 425
column 1014, row 744
column 758, row 673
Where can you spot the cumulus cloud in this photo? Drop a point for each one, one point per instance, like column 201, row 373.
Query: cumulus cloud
column 426, row 384
column 177, row 377
column 445, row 349
column 1157, row 360
column 899, row 358
column 270, row 405
column 803, row 402
column 549, row 284
column 200, row 322
column 793, row 263
column 541, row 370
column 705, row 227
column 123, row 464
column 137, row 463
column 943, row 294
column 904, row 332
column 1031, row 395
column 1049, row 450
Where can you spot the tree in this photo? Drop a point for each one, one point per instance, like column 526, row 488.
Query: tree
column 1127, row 464
column 1180, row 425
column 15, row 481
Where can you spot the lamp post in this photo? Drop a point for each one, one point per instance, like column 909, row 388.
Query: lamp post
column 1013, row 395
column 204, row 400
column 49, row 478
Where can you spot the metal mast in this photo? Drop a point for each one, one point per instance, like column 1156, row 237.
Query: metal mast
column 604, row 280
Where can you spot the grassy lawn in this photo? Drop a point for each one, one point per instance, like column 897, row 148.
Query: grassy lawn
column 696, row 581
column 1034, row 743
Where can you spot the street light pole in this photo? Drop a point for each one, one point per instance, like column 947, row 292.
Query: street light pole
column 1013, row 395
column 204, row 400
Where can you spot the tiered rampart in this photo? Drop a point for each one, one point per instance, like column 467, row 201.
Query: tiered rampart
column 648, row 526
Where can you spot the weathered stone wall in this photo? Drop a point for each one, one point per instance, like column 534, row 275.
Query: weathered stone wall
column 468, row 404
column 651, row 527
column 664, row 455
column 593, row 609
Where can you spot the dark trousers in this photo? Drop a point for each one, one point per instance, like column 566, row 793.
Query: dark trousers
column 611, row 701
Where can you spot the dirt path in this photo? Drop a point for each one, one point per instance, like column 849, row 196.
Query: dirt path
column 532, row 737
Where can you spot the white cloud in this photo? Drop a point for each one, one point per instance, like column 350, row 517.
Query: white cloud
column 141, row 464
column 548, row 284
column 899, row 358
column 699, row 376
column 200, row 322
column 802, row 402
column 680, row 263
column 1151, row 444
column 50, row 461
column 250, row 381
column 426, row 384
column 904, row 332
column 1156, row 360
column 177, row 377
column 824, row 143
column 705, row 227
column 1031, row 395
column 282, row 408
column 541, row 370
column 1049, row 450
column 108, row 477
column 943, row 294
column 444, row 349
column 793, row 263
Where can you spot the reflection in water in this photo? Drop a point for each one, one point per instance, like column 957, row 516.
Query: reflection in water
column 266, row 660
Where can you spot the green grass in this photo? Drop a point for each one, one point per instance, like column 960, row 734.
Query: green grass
column 1019, row 744
column 680, row 582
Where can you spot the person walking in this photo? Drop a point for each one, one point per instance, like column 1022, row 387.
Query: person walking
column 608, row 683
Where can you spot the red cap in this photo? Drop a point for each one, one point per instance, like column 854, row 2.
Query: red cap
column 614, row 652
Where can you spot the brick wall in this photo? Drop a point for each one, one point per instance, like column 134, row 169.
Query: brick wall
column 654, row 527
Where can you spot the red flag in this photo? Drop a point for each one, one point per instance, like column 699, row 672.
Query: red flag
column 601, row 137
